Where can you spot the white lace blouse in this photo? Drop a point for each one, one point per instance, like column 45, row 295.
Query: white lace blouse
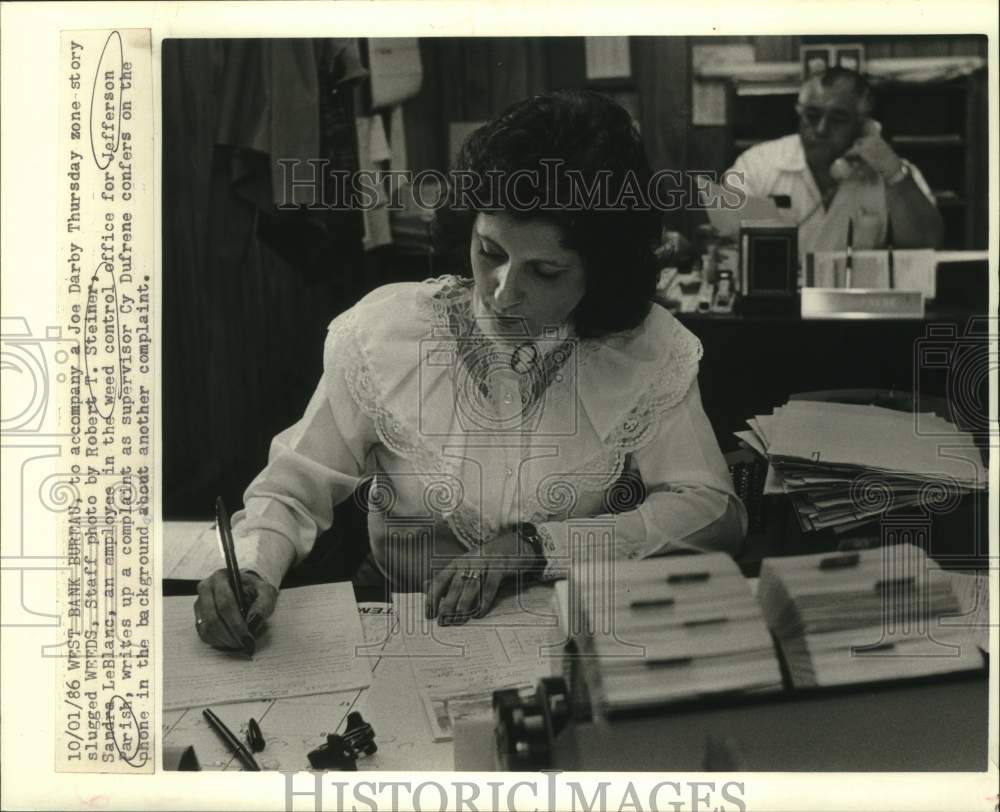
column 469, row 433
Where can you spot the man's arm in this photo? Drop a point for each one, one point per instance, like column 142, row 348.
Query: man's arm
column 916, row 222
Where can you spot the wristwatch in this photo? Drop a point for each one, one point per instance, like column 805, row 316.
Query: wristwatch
column 528, row 533
column 899, row 175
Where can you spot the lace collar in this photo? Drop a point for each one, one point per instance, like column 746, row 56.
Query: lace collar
column 648, row 368
column 397, row 350
column 406, row 337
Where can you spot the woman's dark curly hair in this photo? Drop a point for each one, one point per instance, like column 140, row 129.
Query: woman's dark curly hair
column 596, row 142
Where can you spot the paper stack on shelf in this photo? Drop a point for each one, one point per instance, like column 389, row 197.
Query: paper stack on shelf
column 843, row 465
column 864, row 616
column 671, row 628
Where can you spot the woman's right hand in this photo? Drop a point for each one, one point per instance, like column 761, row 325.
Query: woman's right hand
column 217, row 617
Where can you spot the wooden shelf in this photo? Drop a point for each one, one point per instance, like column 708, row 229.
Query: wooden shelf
column 950, row 140
column 769, row 90
column 941, row 140
column 788, row 73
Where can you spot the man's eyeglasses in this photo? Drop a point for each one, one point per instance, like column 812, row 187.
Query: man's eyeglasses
column 813, row 116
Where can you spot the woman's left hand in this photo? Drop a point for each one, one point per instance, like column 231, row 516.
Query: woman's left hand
column 467, row 586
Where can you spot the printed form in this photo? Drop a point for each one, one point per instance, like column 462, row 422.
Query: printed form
column 457, row 668
column 313, row 644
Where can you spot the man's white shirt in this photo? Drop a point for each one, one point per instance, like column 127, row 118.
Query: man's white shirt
column 779, row 168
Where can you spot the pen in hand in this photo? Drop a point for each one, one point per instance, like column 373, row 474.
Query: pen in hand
column 232, row 566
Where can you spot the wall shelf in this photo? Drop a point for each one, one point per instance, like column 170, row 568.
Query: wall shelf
column 943, row 140
column 788, row 74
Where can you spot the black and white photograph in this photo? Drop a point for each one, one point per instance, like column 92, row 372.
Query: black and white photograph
column 492, row 406
column 551, row 420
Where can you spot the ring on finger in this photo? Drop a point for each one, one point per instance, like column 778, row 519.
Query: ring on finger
column 472, row 576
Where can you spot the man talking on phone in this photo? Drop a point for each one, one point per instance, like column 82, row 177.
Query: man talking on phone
column 837, row 169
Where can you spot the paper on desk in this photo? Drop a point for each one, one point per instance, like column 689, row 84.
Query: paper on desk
column 312, row 644
column 378, row 621
column 457, row 668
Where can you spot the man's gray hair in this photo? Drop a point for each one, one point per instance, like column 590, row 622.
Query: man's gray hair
column 859, row 85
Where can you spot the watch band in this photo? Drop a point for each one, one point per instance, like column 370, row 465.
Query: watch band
column 528, row 533
column 899, row 175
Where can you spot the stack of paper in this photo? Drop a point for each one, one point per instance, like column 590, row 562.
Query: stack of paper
column 864, row 616
column 672, row 628
column 843, row 464
column 457, row 668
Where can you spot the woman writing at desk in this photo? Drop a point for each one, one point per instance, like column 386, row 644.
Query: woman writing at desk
column 508, row 418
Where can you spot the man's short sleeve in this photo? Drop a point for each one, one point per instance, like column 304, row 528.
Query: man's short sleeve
column 918, row 179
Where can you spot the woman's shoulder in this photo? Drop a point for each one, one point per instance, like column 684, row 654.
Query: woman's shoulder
column 647, row 369
column 386, row 332
column 404, row 308
column 659, row 341
column 386, row 349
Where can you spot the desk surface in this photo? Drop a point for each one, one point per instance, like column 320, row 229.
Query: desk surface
column 294, row 726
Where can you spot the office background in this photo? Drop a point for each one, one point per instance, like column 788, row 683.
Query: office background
column 248, row 291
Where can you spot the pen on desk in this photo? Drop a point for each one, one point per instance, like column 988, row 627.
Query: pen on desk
column 849, row 263
column 229, row 553
column 891, row 258
column 235, row 745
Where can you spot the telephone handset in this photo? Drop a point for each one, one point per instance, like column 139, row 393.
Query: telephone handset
column 849, row 166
